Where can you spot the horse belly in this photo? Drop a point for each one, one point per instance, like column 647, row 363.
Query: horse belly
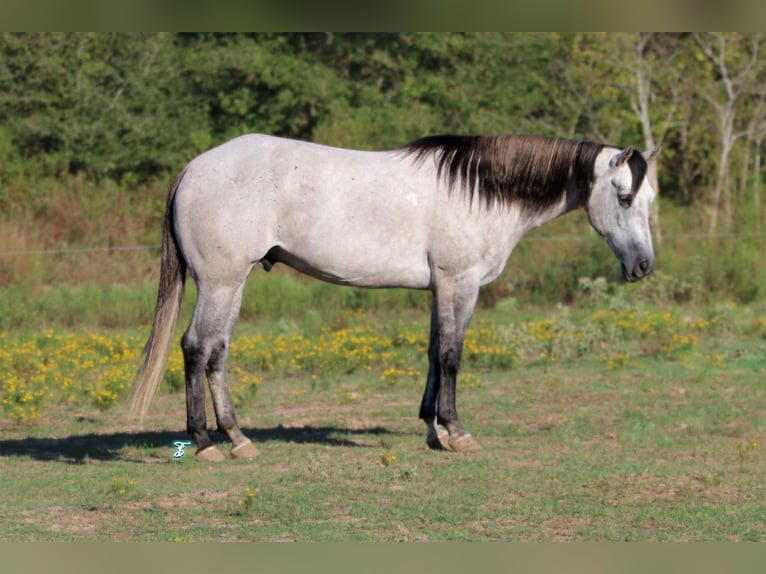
column 350, row 255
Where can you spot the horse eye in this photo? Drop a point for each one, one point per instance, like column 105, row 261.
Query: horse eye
column 625, row 200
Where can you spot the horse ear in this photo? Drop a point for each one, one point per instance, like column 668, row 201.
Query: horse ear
column 650, row 156
column 621, row 157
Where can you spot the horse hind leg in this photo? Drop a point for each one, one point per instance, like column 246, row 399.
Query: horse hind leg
column 206, row 348
column 242, row 447
column 195, row 359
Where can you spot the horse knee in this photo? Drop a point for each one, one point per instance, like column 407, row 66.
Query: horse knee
column 450, row 362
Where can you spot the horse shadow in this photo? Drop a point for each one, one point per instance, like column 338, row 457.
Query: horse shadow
column 83, row 448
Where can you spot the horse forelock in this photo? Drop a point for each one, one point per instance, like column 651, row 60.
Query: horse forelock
column 533, row 171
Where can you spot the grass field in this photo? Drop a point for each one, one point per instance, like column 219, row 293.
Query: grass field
column 608, row 422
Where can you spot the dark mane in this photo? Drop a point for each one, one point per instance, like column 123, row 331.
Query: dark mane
column 531, row 170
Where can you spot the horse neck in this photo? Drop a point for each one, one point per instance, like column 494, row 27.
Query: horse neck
column 532, row 218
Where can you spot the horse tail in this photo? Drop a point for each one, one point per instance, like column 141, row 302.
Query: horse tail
column 169, row 298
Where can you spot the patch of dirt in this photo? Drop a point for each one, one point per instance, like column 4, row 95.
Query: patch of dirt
column 343, row 516
column 285, row 537
column 564, row 528
column 87, row 523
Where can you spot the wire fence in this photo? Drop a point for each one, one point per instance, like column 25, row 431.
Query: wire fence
column 73, row 250
column 566, row 238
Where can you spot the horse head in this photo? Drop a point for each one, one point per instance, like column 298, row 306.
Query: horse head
column 618, row 208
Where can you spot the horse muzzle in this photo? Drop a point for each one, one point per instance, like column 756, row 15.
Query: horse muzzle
column 638, row 270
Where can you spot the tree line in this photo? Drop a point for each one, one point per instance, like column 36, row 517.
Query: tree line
column 133, row 107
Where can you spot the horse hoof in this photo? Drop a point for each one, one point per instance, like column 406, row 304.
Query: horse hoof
column 438, row 437
column 210, row 454
column 245, row 451
column 463, row 443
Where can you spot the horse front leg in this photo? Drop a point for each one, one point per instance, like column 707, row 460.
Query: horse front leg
column 451, row 312
column 437, row 436
column 459, row 440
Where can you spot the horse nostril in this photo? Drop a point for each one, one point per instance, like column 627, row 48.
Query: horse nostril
column 644, row 267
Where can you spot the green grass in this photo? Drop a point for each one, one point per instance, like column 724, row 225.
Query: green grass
column 660, row 446
column 280, row 295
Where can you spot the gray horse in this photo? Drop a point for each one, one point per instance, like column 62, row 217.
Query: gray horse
column 441, row 213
